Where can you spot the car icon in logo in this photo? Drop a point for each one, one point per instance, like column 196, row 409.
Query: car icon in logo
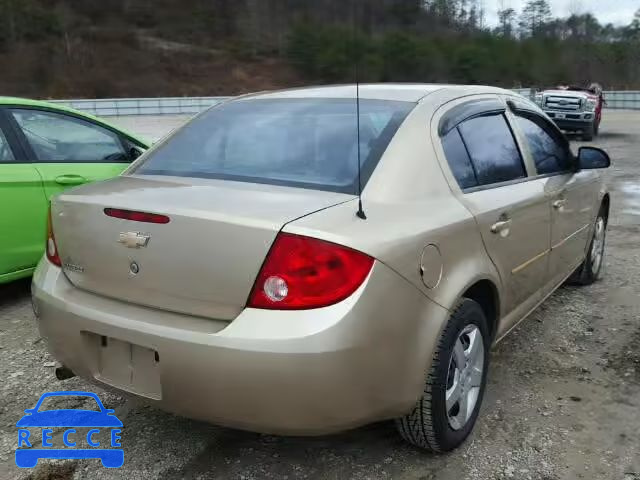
column 69, row 419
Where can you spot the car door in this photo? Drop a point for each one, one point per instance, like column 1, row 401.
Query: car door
column 570, row 193
column 69, row 150
column 24, row 207
column 511, row 210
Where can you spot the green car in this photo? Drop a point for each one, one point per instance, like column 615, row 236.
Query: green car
column 44, row 149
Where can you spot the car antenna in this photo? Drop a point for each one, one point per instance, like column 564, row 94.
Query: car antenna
column 360, row 213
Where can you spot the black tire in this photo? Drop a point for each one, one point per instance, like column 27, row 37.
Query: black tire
column 589, row 132
column 427, row 426
column 589, row 271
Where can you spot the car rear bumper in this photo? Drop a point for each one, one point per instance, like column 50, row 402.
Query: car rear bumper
column 305, row 372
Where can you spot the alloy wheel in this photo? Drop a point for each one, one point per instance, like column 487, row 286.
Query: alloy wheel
column 597, row 249
column 464, row 381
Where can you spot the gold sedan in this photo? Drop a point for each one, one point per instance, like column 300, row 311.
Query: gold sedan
column 281, row 265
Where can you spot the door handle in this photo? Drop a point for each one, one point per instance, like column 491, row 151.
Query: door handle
column 70, row 180
column 558, row 204
column 501, row 227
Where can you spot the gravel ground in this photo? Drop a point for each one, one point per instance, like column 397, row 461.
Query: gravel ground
column 563, row 400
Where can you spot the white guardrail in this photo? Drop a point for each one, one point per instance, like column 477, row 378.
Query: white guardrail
column 116, row 107
column 106, row 107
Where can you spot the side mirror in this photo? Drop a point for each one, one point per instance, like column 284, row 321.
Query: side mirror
column 590, row 158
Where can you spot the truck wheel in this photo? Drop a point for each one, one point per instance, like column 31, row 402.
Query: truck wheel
column 447, row 410
column 589, row 132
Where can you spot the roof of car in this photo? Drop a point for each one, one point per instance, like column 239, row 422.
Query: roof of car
column 408, row 92
column 27, row 102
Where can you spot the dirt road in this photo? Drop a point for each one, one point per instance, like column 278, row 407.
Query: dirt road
column 563, row 400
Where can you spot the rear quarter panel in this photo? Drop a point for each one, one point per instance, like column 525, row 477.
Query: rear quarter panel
column 396, row 234
column 409, row 204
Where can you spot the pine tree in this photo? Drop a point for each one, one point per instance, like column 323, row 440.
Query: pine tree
column 507, row 18
column 535, row 15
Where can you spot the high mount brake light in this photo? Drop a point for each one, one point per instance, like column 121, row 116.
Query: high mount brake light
column 303, row 273
column 136, row 216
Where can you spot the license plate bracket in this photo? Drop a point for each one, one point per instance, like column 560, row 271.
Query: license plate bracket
column 126, row 366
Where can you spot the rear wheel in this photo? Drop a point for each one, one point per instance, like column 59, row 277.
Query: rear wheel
column 447, row 411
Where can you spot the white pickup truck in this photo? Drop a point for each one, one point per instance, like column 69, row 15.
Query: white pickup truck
column 574, row 109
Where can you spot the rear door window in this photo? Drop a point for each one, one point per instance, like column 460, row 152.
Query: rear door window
column 459, row 160
column 493, row 150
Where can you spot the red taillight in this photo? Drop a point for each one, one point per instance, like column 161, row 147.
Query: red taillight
column 51, row 247
column 136, row 216
column 302, row 273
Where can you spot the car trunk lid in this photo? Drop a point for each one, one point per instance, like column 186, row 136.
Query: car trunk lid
column 203, row 262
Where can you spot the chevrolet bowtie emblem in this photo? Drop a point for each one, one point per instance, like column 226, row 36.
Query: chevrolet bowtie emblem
column 134, row 239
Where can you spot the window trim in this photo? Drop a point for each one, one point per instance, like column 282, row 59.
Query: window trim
column 30, row 153
column 491, row 186
column 468, row 110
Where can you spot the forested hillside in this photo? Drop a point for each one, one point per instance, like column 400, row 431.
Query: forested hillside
column 88, row 48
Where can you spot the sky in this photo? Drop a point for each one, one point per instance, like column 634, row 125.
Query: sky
column 618, row 12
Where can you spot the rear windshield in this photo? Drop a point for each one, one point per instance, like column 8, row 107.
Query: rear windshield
column 309, row 143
